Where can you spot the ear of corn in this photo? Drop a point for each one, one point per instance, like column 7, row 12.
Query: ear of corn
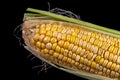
column 78, row 50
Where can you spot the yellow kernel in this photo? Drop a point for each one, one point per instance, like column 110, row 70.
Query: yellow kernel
column 101, row 61
column 104, row 39
column 104, row 45
column 78, row 50
column 90, row 55
column 92, row 40
column 46, row 39
column 74, row 34
column 60, row 56
column 80, row 42
column 65, row 52
column 92, row 48
column 80, row 35
column 74, row 56
column 87, row 69
column 48, row 27
column 94, row 56
column 115, row 50
column 48, row 45
column 66, row 44
column 62, row 50
column 118, row 60
column 63, row 36
column 77, row 58
column 80, row 66
column 119, row 70
column 113, row 66
column 38, row 44
column 59, row 36
column 41, row 37
column 70, row 54
column 109, row 64
column 96, row 42
column 117, row 67
column 111, row 48
column 42, row 31
column 82, row 52
column 64, row 30
column 117, row 74
column 99, row 44
column 54, row 46
column 51, row 52
column 73, row 62
column 100, row 52
column 95, row 49
column 49, row 33
column 118, row 53
column 84, row 37
column 55, row 33
column 97, row 59
column 88, row 46
column 64, row 59
column 68, row 38
column 53, row 40
column 70, row 47
column 88, row 38
column 42, row 45
column 86, row 54
column 105, row 63
column 72, row 39
column 112, row 73
column 100, row 68
column 108, row 72
column 104, row 70
column 55, row 54
column 97, row 36
column 54, row 27
column 45, row 51
column 74, row 48
column 112, row 43
column 111, row 57
column 76, row 63
column 106, row 55
column 115, row 58
column 84, row 44
column 36, row 37
column 81, row 60
column 107, row 46
column 86, row 61
column 42, row 26
column 69, row 60
column 76, row 30
column 59, row 29
column 69, row 31
column 61, row 43
column 93, row 65
column 93, row 34
column 57, row 49
column 76, row 41
column 82, row 31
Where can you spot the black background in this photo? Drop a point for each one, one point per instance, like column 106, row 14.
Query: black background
column 18, row 66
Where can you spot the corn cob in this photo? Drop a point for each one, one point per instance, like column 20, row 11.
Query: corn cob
column 68, row 43
column 74, row 46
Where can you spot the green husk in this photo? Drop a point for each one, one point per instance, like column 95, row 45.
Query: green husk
column 75, row 21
